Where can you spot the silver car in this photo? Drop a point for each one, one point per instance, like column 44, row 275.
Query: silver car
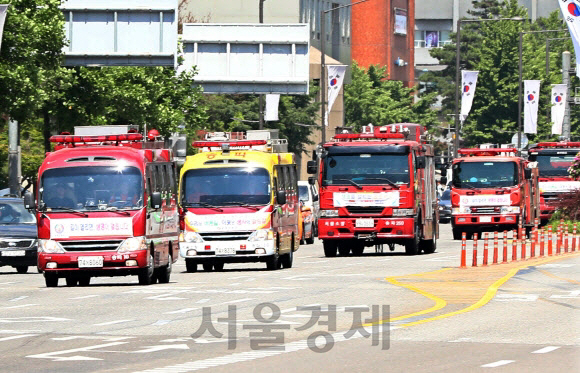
column 309, row 198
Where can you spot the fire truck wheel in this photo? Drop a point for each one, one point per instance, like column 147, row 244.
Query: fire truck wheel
column 190, row 265
column 273, row 262
column 358, row 249
column 287, row 259
column 343, row 249
column 84, row 280
column 429, row 246
column 146, row 276
column 50, row 280
column 218, row 266
column 164, row 273
column 21, row 269
column 412, row 245
column 72, row 281
column 208, row 267
column 330, row 248
column 457, row 234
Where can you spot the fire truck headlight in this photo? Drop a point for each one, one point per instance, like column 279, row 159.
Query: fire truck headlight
column 510, row 209
column 133, row 244
column 261, row 235
column 403, row 212
column 461, row 210
column 191, row 237
column 50, row 246
column 328, row 213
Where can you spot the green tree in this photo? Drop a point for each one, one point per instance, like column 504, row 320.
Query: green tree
column 371, row 98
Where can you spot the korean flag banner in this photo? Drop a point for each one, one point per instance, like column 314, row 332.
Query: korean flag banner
column 3, row 9
column 531, row 95
column 468, row 83
column 335, row 79
column 559, row 96
column 571, row 13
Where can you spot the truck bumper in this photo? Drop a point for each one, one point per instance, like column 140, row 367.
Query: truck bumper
column 228, row 251
column 481, row 221
column 114, row 264
column 353, row 228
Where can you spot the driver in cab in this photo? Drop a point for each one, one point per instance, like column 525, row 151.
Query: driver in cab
column 125, row 196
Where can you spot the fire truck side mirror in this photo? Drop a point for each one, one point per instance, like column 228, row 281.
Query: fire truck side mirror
column 281, row 197
column 29, row 202
column 311, row 180
column 156, row 200
column 528, row 173
column 420, row 162
column 311, row 167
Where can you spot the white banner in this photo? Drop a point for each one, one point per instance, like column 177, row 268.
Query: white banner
column 335, row 79
column 3, row 9
column 531, row 98
column 468, row 84
column 571, row 13
column 272, row 102
column 227, row 222
column 382, row 199
column 90, row 227
column 485, row 200
column 558, row 186
column 559, row 97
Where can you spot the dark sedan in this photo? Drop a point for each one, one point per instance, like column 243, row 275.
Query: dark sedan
column 445, row 206
column 18, row 243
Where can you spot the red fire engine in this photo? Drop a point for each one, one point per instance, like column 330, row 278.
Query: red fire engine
column 106, row 207
column 492, row 190
column 377, row 187
column 554, row 159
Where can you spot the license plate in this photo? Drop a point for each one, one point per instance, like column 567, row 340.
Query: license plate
column 485, row 219
column 90, row 261
column 225, row 251
column 365, row 223
column 14, row 253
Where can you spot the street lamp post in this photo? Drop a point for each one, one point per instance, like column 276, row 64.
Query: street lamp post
column 457, row 71
column 323, row 84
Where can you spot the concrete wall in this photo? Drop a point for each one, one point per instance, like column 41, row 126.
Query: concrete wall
column 244, row 11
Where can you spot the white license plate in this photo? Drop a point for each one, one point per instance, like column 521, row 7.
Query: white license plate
column 365, row 223
column 14, row 253
column 485, row 219
column 90, row 261
column 225, row 251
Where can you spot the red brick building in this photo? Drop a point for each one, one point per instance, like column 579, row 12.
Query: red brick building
column 383, row 34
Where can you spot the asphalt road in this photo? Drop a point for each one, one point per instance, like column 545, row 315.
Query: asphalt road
column 517, row 317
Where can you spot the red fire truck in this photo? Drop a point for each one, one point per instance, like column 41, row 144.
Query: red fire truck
column 376, row 188
column 106, row 207
column 554, row 159
column 492, row 190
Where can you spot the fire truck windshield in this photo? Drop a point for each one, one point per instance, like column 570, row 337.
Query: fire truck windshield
column 92, row 188
column 485, row 174
column 226, row 187
column 366, row 169
column 553, row 164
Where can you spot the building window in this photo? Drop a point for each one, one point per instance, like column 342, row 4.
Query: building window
column 431, row 39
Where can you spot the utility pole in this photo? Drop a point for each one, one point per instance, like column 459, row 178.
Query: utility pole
column 261, row 99
column 14, row 157
column 566, row 80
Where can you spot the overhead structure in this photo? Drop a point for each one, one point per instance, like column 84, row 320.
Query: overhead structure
column 248, row 58
column 120, row 33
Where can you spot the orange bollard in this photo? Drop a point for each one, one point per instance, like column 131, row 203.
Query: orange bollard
column 474, row 262
column 559, row 240
column 550, row 240
column 533, row 244
column 574, row 238
column 523, row 248
column 566, row 238
column 485, row 250
column 505, row 248
column 463, row 247
column 542, row 242
column 495, row 247
column 514, row 246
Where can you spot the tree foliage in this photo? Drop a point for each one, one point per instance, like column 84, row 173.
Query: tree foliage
column 371, row 98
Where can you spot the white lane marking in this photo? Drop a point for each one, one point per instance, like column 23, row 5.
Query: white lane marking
column 176, row 340
column 52, row 355
column 161, row 322
column 204, row 300
column 295, row 309
column 91, row 337
column 384, row 260
column 19, row 298
column 17, row 337
column 86, row 296
column 21, row 306
column 31, row 319
column 552, row 265
column 165, row 297
column 112, row 322
column 316, row 262
column 498, row 363
column 236, row 301
column 442, row 258
column 235, row 284
column 161, row 348
column 9, row 331
column 458, row 340
column 546, row 350
column 516, row 297
column 238, row 277
column 571, row 295
column 183, row 310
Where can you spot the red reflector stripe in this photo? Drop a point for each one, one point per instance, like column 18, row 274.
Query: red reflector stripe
column 217, row 144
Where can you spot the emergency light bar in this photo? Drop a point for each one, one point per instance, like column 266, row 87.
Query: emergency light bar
column 563, row 144
column 485, row 152
column 368, row 136
column 219, row 144
column 70, row 139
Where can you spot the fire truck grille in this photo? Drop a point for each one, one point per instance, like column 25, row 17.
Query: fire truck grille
column 229, row 236
column 111, row 245
column 486, row 210
column 364, row 210
column 13, row 243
